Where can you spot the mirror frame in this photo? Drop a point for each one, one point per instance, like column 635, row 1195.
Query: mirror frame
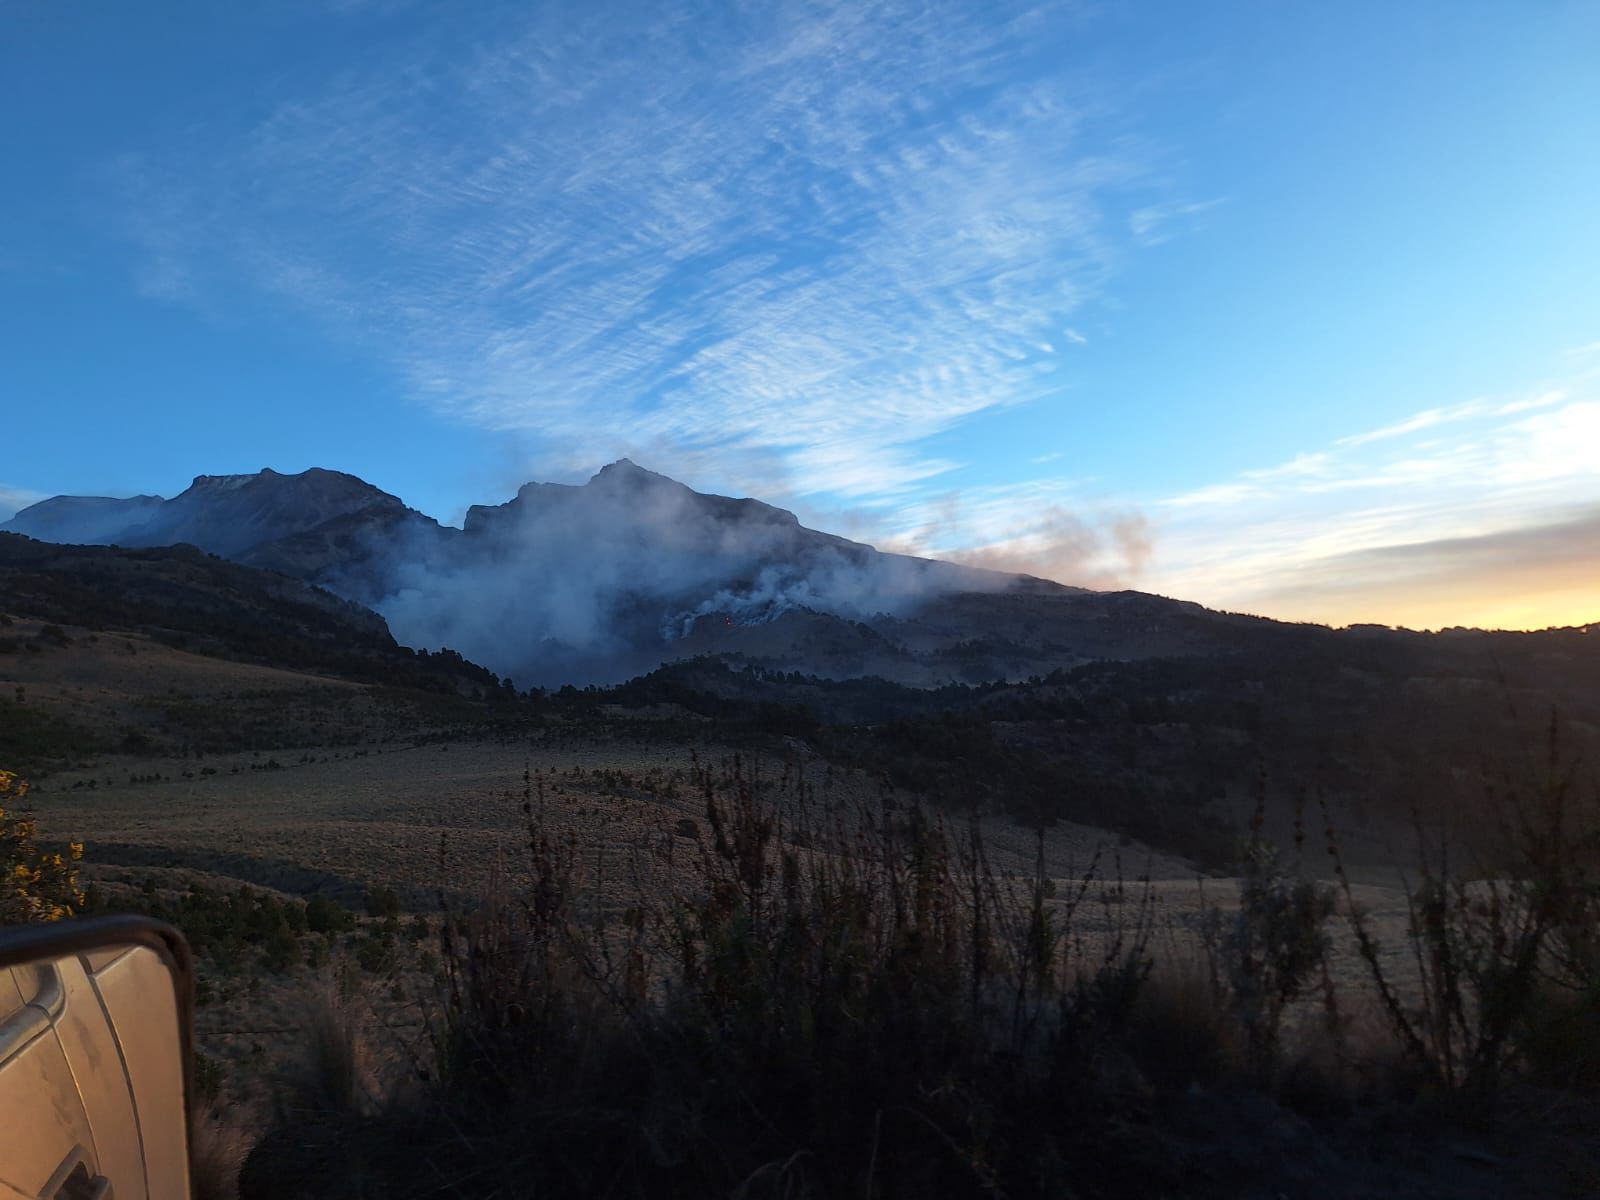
column 22, row 944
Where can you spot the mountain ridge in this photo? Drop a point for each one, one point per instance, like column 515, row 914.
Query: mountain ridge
column 589, row 581
column 608, row 579
column 278, row 506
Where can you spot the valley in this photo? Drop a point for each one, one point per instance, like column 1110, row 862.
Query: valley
column 327, row 810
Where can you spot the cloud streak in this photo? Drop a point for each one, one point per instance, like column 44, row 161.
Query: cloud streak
column 1477, row 513
column 780, row 251
column 825, row 233
column 1532, row 576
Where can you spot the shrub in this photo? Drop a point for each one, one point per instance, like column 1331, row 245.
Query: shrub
column 383, row 902
column 208, row 1077
column 35, row 884
column 1271, row 948
column 281, row 950
column 375, row 954
column 1505, row 949
column 894, row 1020
column 217, row 1149
column 335, row 1076
column 1178, row 1032
column 853, row 1001
column 1561, row 1042
column 324, row 916
column 318, row 953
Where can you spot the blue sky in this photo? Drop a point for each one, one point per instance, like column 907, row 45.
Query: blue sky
column 1284, row 308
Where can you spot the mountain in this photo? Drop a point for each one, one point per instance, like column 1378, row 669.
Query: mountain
column 745, row 545
column 234, row 516
column 590, row 582
column 231, row 515
column 187, row 598
column 607, row 580
column 1155, row 716
column 323, row 526
column 83, row 520
column 632, row 562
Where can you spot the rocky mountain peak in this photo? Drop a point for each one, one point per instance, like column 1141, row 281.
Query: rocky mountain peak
column 223, row 514
column 83, row 520
column 594, row 578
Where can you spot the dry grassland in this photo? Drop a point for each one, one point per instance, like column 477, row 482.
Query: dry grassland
column 337, row 789
column 431, row 820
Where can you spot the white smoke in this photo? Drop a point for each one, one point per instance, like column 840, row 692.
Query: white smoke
column 579, row 584
column 1103, row 550
column 596, row 583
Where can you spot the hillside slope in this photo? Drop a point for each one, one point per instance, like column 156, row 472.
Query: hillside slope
column 591, row 582
column 610, row 579
column 187, row 598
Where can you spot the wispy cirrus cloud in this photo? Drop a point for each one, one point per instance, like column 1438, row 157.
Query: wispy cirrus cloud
column 1155, row 223
column 1460, row 412
column 1524, row 577
column 820, row 233
column 1477, row 513
column 1480, row 513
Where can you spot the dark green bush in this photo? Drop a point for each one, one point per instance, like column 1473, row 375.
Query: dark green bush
column 376, row 954
column 325, row 916
column 280, row 950
column 318, row 953
column 383, row 902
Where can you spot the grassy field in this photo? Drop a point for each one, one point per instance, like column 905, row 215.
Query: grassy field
column 316, row 786
column 226, row 796
column 444, row 820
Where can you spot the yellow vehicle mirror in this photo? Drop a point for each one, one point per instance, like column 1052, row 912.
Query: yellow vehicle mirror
column 95, row 1060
